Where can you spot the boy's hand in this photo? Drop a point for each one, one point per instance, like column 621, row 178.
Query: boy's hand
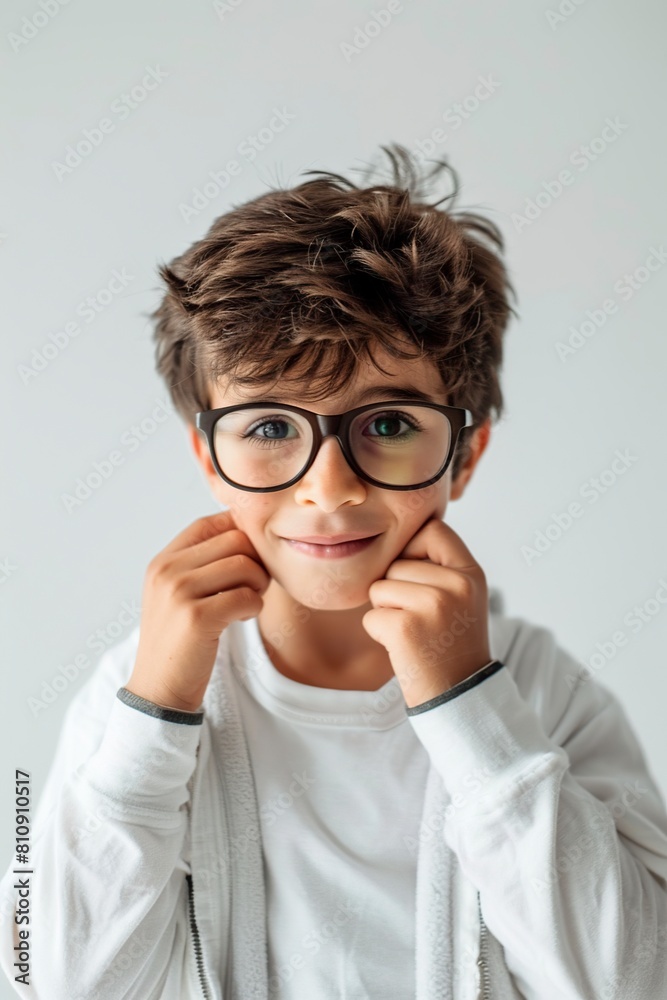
column 430, row 613
column 208, row 576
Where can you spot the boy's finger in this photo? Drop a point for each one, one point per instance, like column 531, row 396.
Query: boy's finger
column 201, row 530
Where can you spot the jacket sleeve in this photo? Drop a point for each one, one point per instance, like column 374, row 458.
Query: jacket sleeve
column 108, row 897
column 557, row 821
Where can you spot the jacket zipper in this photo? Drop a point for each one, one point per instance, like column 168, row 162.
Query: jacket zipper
column 485, row 993
column 481, row 961
column 195, row 939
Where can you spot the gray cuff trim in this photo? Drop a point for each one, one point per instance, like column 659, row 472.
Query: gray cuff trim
column 469, row 682
column 159, row 711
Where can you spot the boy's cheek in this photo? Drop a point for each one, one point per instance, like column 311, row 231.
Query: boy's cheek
column 421, row 505
column 416, row 527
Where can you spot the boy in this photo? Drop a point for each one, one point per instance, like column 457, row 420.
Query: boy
column 323, row 766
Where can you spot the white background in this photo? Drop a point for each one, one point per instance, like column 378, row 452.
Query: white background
column 556, row 81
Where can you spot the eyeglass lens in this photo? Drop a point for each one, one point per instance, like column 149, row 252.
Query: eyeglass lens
column 267, row 446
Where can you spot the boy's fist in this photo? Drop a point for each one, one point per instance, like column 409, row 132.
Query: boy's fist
column 430, row 612
column 208, row 576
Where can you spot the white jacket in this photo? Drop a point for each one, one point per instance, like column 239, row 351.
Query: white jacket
column 146, row 848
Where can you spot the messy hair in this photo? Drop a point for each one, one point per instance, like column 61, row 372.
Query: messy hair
column 298, row 284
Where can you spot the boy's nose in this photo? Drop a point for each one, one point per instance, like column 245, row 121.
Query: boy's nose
column 330, row 478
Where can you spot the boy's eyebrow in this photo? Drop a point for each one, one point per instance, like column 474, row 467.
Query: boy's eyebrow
column 395, row 392
column 404, row 392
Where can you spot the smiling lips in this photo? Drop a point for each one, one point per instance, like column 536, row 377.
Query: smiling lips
column 351, row 536
column 328, row 549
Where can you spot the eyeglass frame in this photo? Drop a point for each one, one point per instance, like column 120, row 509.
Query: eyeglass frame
column 336, row 424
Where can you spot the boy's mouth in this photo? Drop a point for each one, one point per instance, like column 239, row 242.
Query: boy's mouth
column 350, row 536
column 328, row 549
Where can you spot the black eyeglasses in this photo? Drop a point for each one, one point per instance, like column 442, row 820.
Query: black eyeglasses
column 414, row 449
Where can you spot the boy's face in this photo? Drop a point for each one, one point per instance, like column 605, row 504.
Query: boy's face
column 331, row 499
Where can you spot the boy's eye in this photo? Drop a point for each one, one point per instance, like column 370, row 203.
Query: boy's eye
column 278, row 428
column 389, row 424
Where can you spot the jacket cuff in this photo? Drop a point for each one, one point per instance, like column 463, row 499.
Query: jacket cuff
column 488, row 744
column 160, row 711
column 457, row 689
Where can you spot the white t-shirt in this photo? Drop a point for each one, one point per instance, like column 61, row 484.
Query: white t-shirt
column 340, row 779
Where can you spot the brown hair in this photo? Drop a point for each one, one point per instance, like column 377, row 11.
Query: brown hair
column 314, row 275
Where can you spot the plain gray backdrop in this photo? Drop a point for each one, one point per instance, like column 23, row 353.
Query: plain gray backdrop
column 553, row 115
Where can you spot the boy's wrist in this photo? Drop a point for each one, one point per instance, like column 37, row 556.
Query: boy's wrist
column 161, row 697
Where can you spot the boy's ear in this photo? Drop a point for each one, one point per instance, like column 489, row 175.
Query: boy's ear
column 478, row 443
column 199, row 445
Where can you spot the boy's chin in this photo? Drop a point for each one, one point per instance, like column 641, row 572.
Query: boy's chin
column 327, row 592
column 336, row 602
